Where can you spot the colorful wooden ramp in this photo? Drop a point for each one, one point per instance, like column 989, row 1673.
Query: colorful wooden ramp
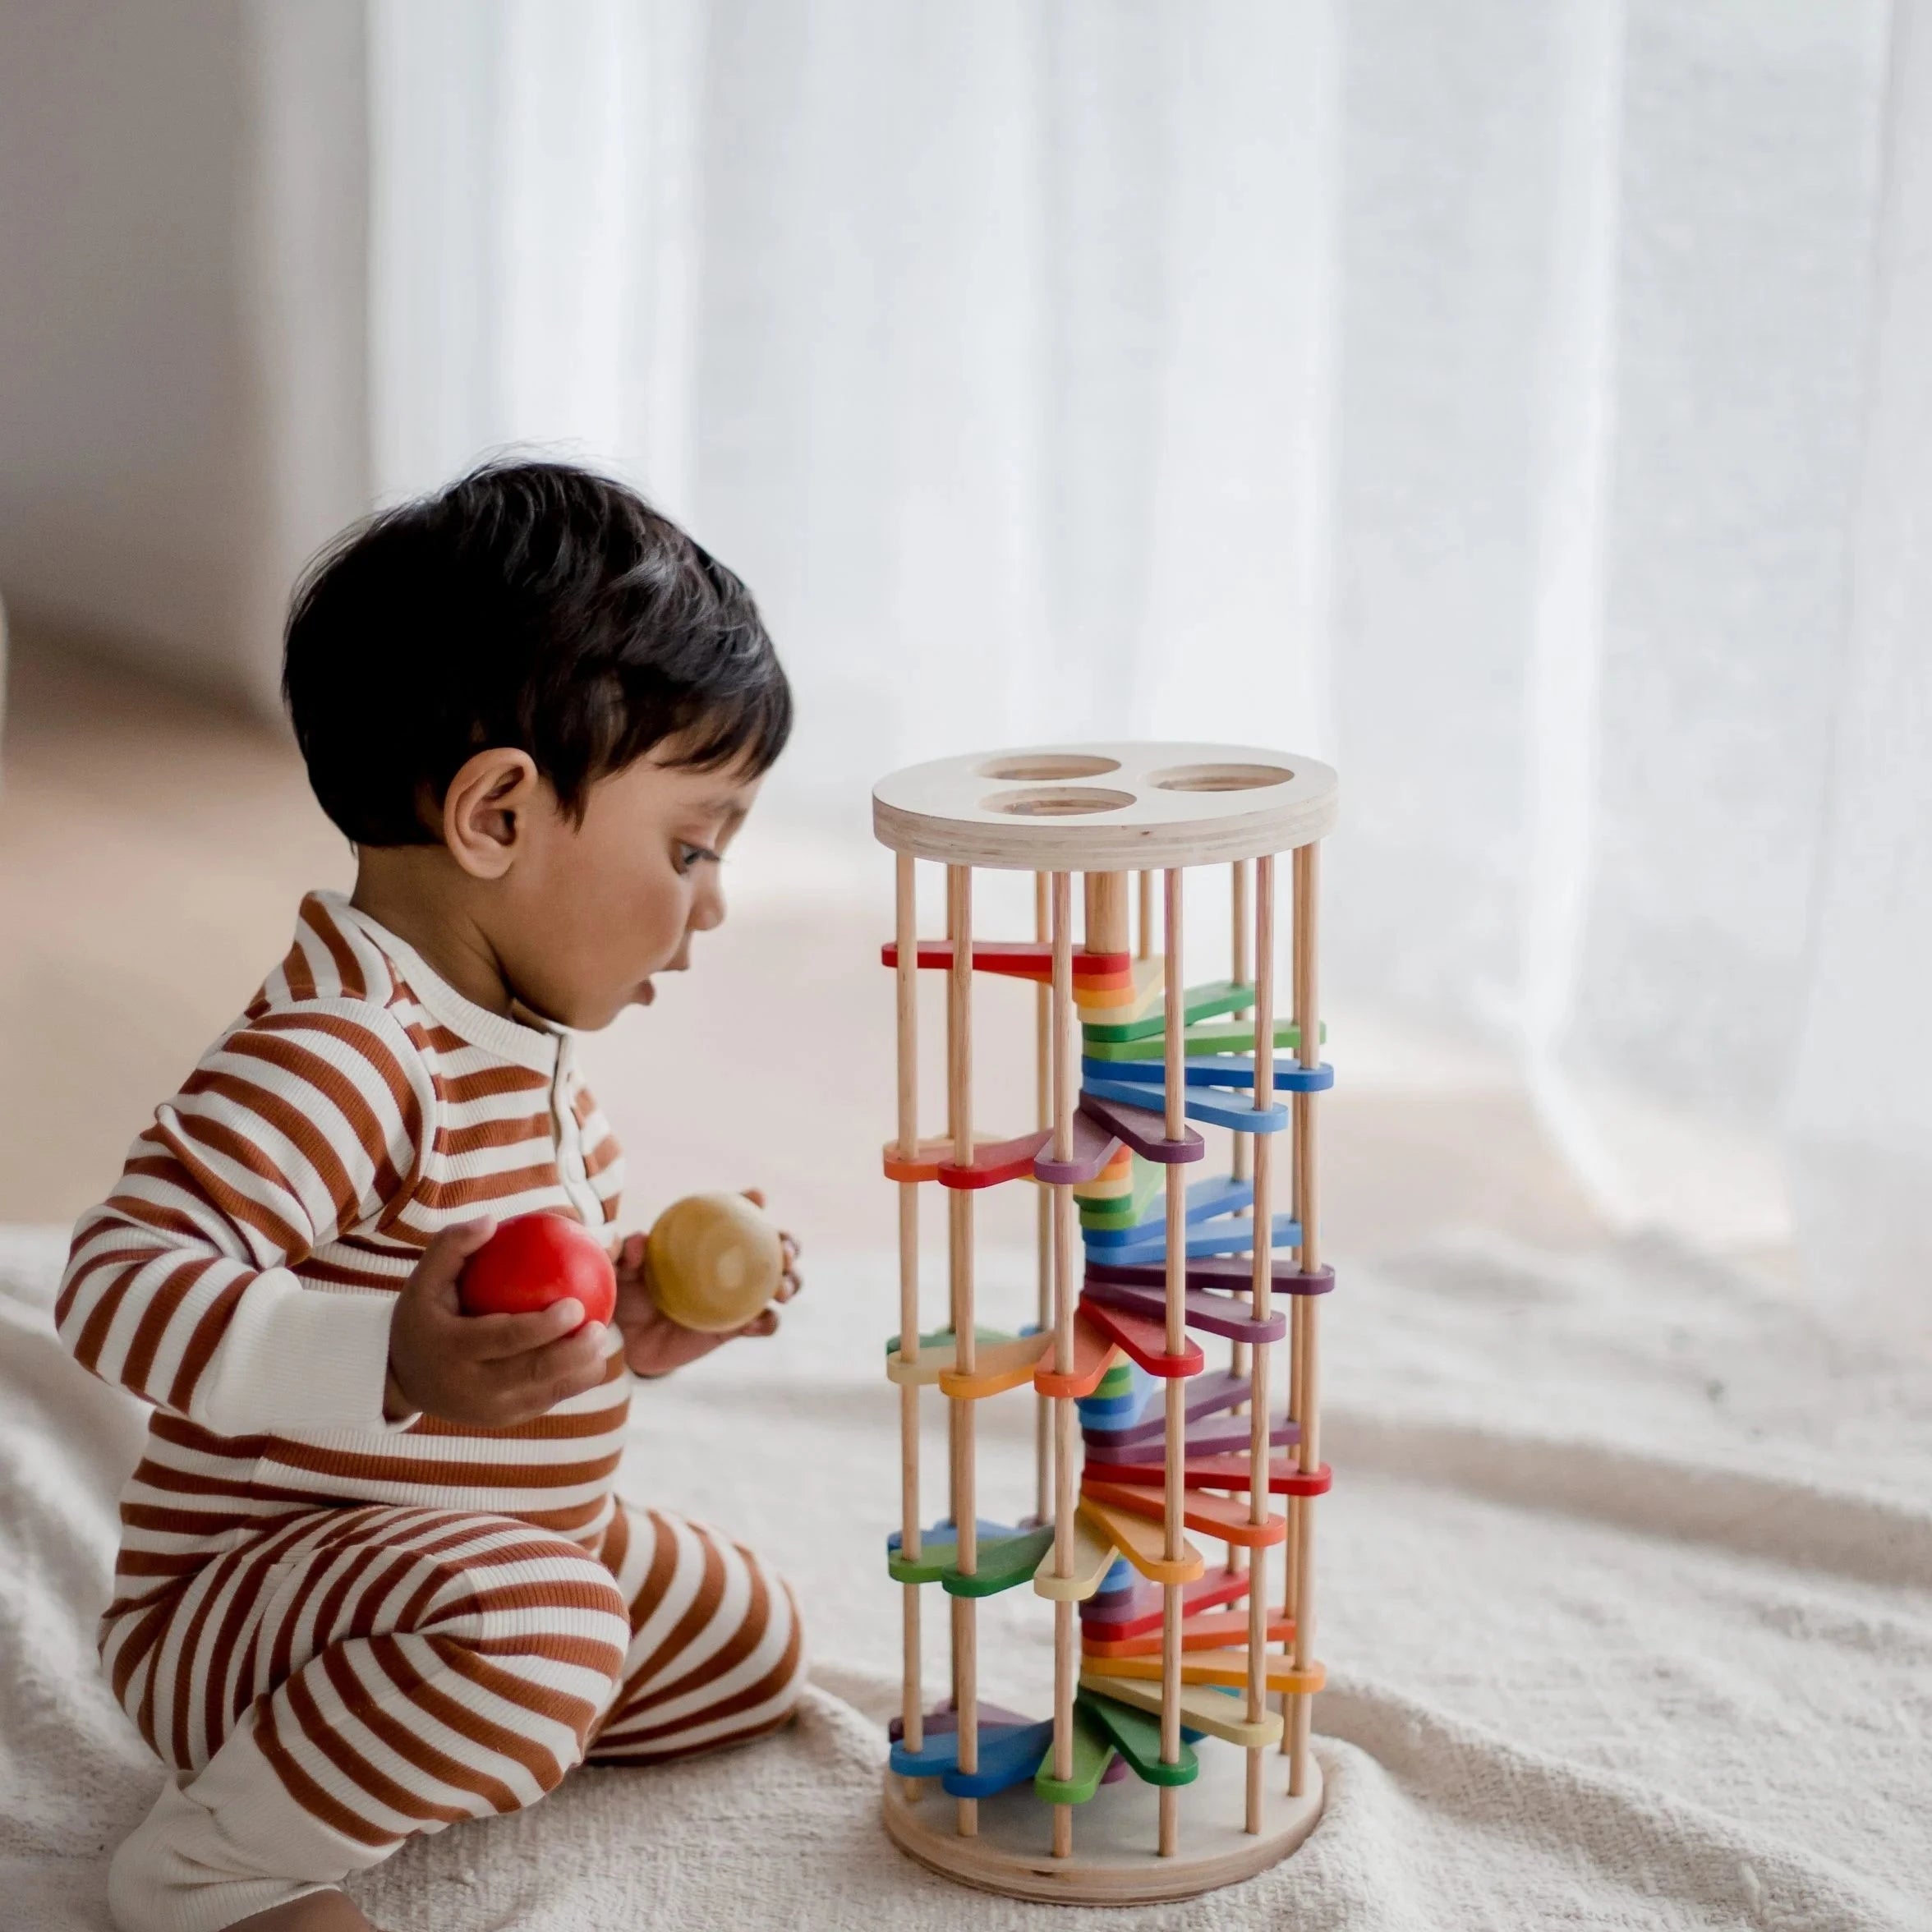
column 1171, row 1400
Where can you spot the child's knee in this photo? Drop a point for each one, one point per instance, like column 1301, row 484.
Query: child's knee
column 777, row 1655
column 793, row 1664
column 778, row 1664
column 734, row 1675
column 548, row 1630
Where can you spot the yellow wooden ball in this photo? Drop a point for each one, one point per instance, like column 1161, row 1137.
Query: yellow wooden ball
column 716, row 1261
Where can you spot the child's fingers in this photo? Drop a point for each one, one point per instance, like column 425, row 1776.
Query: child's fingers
column 496, row 1338
column 764, row 1324
column 789, row 1243
column 788, row 1287
column 755, row 1196
column 560, row 1369
column 443, row 1259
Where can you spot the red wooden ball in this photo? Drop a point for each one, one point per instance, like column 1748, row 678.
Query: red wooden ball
column 536, row 1259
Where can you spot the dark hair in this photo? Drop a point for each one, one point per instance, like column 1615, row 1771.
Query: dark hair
column 533, row 604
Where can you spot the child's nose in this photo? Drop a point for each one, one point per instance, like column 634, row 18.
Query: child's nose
column 707, row 904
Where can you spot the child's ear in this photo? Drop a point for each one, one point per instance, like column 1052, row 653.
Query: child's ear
column 485, row 812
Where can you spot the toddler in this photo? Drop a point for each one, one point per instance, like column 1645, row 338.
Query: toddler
column 373, row 1576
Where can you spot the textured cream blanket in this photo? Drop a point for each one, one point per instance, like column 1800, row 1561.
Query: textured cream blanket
column 1626, row 1603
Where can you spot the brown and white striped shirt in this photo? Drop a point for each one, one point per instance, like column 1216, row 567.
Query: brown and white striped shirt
column 241, row 1275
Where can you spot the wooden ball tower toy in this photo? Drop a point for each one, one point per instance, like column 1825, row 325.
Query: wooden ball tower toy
column 1181, row 1679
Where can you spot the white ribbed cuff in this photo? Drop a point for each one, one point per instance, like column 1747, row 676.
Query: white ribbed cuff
column 298, row 1358
column 225, row 1843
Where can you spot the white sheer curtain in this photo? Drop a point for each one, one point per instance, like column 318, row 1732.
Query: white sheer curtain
column 1858, row 1112
column 1472, row 394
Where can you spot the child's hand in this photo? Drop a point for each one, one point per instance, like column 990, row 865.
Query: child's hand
column 654, row 1344
column 488, row 1371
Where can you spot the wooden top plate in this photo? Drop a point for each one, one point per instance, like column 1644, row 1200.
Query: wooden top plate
column 1104, row 807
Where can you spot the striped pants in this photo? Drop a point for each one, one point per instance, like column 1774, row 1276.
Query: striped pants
column 354, row 1676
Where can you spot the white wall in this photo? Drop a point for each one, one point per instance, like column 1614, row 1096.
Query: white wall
column 178, row 429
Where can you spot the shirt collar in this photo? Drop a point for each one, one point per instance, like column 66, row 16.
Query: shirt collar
column 524, row 1038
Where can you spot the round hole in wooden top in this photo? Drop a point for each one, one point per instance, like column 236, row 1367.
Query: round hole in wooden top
column 1057, row 801
column 1219, row 777
column 1038, row 768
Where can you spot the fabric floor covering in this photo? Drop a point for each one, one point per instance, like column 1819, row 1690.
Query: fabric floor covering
column 1625, row 1599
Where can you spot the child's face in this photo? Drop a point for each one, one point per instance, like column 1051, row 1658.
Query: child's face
column 589, row 912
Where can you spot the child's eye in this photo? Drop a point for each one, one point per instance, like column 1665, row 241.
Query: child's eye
column 689, row 855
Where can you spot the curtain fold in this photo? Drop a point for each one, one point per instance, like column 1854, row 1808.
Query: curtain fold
column 1858, row 1108
column 1472, row 395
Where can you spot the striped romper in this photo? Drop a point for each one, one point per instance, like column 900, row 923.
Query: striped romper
column 338, row 1630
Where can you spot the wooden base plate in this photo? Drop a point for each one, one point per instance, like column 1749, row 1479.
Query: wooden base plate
column 1114, row 1860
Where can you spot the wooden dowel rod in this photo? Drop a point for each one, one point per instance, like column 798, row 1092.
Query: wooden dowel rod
column 1044, row 1004
column 1145, row 948
column 913, row 1691
column 1241, row 1162
column 906, row 992
column 1169, row 1819
column 1309, row 1043
column 1308, row 1050
column 906, row 987
column 1238, row 973
column 1066, row 1660
column 1297, row 1327
column 1175, row 1095
column 1105, row 896
column 1043, row 1209
column 1264, row 1076
column 1297, row 1353
column 965, row 1609
column 1065, row 1669
column 1063, row 1084
column 1262, row 1295
column 966, row 1701
column 1042, row 1458
column 959, row 1119
column 1175, row 1438
column 960, row 1229
column 912, row 1709
column 1302, row 1706
column 1175, row 1072
column 1175, row 1471
column 1106, row 932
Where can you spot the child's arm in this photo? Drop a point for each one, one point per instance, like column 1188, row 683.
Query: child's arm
column 178, row 1287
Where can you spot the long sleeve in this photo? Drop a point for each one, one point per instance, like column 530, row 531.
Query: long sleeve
column 300, row 1124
